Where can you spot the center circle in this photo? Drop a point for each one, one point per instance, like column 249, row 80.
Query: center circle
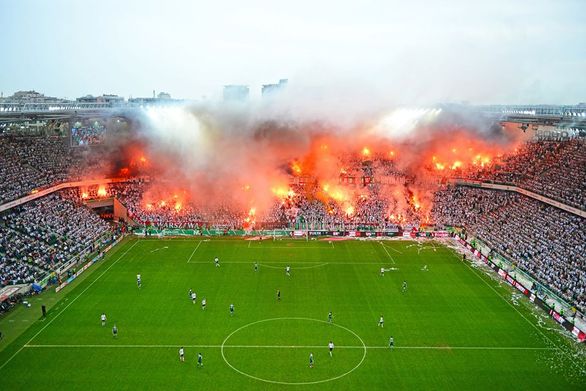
column 224, row 346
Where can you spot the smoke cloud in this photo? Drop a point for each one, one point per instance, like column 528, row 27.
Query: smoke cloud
column 250, row 156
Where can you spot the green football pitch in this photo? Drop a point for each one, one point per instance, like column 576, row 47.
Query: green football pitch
column 454, row 327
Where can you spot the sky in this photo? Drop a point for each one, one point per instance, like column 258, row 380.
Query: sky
column 398, row 52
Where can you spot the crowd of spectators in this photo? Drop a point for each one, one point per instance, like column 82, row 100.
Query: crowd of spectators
column 551, row 168
column 544, row 241
column 302, row 208
column 88, row 135
column 28, row 163
column 41, row 235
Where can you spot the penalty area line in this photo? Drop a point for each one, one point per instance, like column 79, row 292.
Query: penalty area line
column 389, row 254
column 194, row 250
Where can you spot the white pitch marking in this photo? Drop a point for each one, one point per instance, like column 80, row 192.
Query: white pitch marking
column 524, row 317
column 67, row 306
column 297, row 262
column 392, row 248
column 296, row 268
column 292, row 347
column 294, row 247
column 194, row 250
column 390, row 256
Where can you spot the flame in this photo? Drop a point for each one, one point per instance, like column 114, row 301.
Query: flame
column 296, row 167
column 457, row 164
column 178, row 206
column 349, row 210
column 465, row 153
column 102, row 191
column 337, row 193
column 415, row 203
column 365, row 152
column 84, row 195
column 283, row 192
column 250, row 220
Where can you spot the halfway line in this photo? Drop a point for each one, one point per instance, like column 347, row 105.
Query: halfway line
column 295, row 347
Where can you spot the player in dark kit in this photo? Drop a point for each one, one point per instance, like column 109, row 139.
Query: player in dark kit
column 278, row 295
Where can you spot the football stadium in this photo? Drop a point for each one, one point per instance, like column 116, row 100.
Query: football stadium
column 420, row 234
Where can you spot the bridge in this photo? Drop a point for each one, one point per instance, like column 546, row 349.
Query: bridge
column 11, row 112
column 556, row 115
column 21, row 112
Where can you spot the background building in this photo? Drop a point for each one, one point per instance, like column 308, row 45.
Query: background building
column 236, row 93
column 105, row 98
column 270, row 90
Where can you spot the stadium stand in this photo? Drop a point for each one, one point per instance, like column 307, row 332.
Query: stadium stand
column 43, row 234
column 28, row 163
column 554, row 169
column 544, row 241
